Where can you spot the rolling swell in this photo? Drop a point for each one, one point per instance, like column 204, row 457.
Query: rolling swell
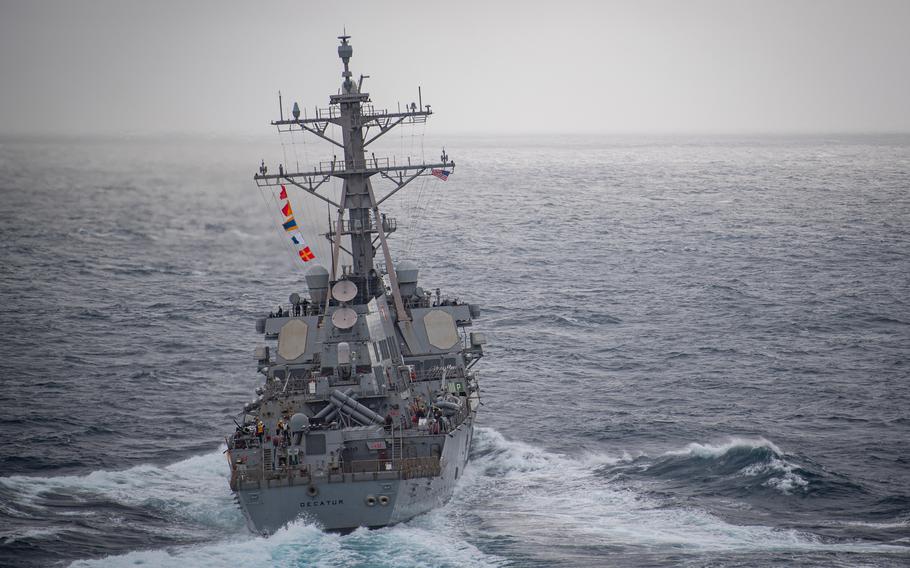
column 758, row 473
column 71, row 516
column 739, row 467
column 591, row 496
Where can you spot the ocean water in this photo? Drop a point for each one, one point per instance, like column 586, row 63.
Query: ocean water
column 698, row 350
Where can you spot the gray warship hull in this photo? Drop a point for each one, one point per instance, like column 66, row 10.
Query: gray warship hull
column 347, row 501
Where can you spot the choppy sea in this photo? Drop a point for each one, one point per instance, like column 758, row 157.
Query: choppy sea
column 698, row 350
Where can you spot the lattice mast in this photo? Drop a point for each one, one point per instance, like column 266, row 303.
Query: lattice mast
column 352, row 112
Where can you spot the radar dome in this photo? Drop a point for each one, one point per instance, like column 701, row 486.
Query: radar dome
column 299, row 422
column 317, row 280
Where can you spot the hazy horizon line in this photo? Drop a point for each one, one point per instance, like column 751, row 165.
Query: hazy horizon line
column 223, row 135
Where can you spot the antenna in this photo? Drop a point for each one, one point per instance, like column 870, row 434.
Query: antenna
column 358, row 216
column 280, row 107
column 328, row 215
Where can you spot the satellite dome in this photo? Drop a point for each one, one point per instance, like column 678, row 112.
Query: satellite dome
column 299, row 422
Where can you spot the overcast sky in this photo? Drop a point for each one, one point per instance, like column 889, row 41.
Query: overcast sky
column 131, row 66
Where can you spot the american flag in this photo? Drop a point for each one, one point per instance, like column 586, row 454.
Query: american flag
column 441, row 174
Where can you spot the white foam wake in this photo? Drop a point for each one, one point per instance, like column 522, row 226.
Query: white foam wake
column 557, row 500
column 195, row 489
column 539, row 503
column 301, row 545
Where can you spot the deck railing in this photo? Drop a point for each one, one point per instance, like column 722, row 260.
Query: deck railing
column 301, row 474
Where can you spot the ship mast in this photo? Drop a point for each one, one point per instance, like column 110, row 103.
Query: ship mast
column 352, row 112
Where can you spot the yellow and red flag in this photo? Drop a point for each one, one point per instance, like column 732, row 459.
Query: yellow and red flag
column 306, row 254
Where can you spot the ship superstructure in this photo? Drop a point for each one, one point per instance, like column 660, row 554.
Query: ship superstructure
column 366, row 414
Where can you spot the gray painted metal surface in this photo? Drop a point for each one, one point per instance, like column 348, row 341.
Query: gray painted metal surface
column 366, row 414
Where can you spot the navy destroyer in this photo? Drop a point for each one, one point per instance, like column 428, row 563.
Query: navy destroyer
column 366, row 412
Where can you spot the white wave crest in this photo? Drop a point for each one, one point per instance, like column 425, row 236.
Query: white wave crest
column 788, row 480
column 716, row 450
